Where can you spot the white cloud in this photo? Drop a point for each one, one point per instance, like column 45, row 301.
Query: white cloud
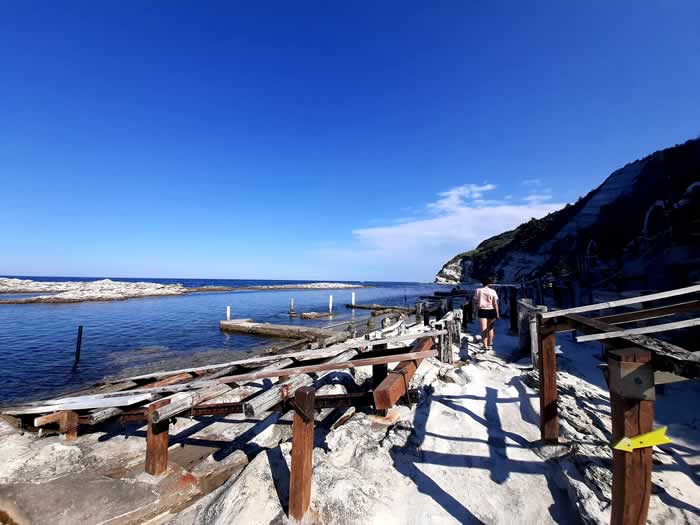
column 415, row 250
column 455, row 198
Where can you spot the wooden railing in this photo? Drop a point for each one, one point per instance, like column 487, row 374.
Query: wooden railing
column 636, row 363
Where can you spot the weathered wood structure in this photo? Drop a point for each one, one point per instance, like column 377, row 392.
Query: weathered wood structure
column 635, row 364
column 155, row 398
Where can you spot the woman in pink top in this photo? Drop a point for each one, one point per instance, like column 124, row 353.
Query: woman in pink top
column 486, row 307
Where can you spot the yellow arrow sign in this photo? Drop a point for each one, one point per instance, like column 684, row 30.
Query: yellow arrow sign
column 649, row 439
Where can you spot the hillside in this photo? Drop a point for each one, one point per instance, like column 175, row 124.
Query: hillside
column 640, row 228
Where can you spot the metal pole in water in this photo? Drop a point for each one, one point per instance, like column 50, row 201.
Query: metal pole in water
column 228, row 313
column 291, row 306
column 353, row 299
column 330, row 304
column 78, row 344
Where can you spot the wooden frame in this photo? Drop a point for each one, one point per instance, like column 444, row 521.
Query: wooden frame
column 635, row 364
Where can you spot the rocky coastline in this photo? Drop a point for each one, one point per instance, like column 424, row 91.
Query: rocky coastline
column 109, row 290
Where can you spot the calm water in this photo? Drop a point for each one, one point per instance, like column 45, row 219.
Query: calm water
column 37, row 341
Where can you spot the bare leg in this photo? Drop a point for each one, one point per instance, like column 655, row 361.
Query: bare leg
column 492, row 322
column 484, row 331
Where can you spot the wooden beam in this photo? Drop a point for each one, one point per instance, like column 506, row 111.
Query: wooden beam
column 547, row 365
column 354, row 399
column 666, row 356
column 157, row 440
column 396, row 383
column 302, row 454
column 323, row 367
column 268, row 398
column 651, row 313
column 687, row 323
column 183, row 401
column 80, row 403
column 631, row 470
column 623, row 302
column 68, row 425
column 301, row 354
column 48, row 419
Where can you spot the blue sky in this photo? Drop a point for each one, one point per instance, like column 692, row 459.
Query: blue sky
column 319, row 140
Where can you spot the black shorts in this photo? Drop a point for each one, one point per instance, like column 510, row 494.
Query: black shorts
column 486, row 314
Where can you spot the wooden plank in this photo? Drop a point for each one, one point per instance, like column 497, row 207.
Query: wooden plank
column 631, row 488
column 275, row 330
column 623, row 302
column 80, row 404
column 547, row 365
column 394, row 386
column 301, row 354
column 302, row 454
column 651, row 313
column 267, row 399
column 323, row 367
column 98, row 416
column 48, row 419
column 687, row 323
column 404, row 309
column 157, row 440
column 666, row 356
column 183, row 401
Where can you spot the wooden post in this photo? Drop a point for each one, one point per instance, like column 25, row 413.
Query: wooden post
column 466, row 311
column 302, row 453
column 78, row 344
column 549, row 425
column 631, row 379
column 330, row 304
column 157, row 441
column 291, row 306
column 426, row 315
column 379, row 373
column 513, row 309
column 419, row 312
column 352, row 300
column 68, row 424
column 228, row 313
column 470, row 315
column 534, row 346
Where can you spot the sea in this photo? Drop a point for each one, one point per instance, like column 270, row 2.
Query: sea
column 120, row 338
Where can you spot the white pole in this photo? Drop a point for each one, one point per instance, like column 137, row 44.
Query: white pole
column 353, row 298
column 291, row 305
column 228, row 313
column 330, row 303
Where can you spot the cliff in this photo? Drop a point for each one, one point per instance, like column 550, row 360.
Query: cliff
column 640, row 228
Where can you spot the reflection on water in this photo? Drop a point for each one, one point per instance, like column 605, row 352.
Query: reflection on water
column 37, row 341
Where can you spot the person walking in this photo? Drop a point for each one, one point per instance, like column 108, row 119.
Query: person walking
column 486, row 306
